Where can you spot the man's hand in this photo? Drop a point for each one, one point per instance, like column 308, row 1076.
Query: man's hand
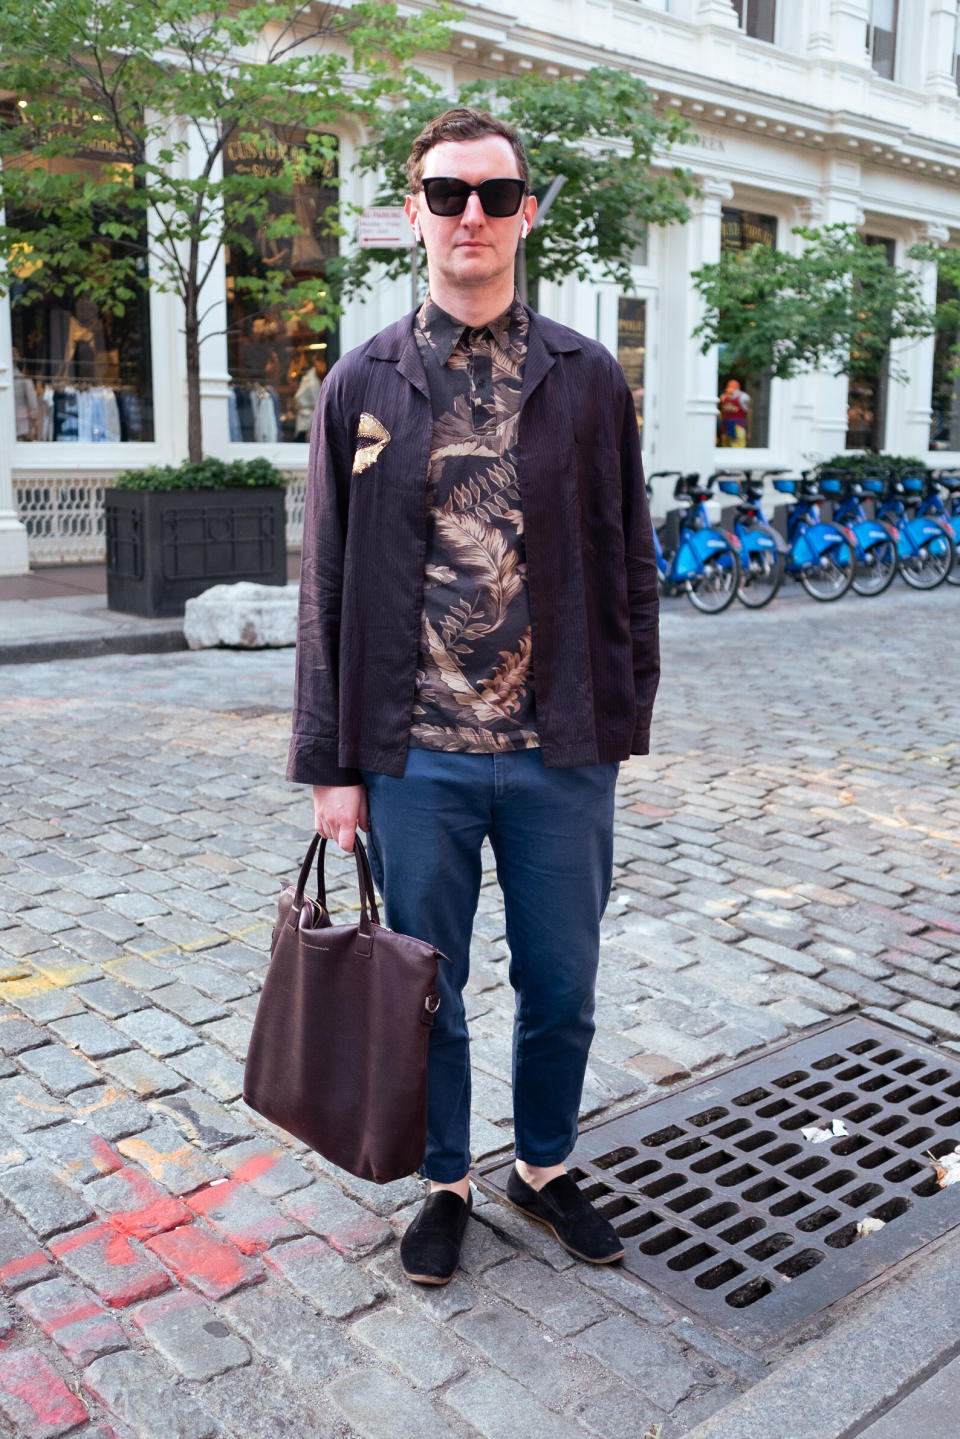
column 337, row 811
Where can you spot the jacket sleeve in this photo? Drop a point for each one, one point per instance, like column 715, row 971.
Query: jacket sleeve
column 313, row 757
column 643, row 585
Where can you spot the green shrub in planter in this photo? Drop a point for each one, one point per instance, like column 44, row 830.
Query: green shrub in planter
column 175, row 530
column 206, row 474
column 864, row 464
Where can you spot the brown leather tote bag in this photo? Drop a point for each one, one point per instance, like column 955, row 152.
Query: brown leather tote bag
column 338, row 1054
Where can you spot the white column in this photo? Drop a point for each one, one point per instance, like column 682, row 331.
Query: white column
column 717, row 12
column 908, row 404
column 839, row 202
column 848, row 23
column 13, row 536
column 941, row 33
column 819, row 29
column 686, row 381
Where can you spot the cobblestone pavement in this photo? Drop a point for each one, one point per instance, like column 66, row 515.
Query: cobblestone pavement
column 172, row 1268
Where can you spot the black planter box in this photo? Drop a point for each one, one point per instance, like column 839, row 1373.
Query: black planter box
column 165, row 546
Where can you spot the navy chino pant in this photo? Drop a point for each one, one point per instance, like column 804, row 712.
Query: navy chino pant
column 551, row 831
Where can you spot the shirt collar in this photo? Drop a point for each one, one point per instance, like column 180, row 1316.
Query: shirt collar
column 443, row 333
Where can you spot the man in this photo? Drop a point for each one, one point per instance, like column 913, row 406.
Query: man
column 477, row 652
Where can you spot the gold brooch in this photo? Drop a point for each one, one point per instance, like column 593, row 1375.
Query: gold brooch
column 377, row 437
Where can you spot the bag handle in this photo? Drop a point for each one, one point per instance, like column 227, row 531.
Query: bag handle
column 365, row 881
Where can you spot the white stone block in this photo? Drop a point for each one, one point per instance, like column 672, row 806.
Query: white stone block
column 242, row 616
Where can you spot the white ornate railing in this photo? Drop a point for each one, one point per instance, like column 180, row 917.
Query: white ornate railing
column 63, row 516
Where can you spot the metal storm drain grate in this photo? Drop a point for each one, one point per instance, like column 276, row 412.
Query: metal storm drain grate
column 726, row 1207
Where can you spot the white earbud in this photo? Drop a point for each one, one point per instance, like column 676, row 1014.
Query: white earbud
column 524, row 230
column 416, row 228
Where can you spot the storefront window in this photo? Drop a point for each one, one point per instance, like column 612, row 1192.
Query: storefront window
column 81, row 371
column 945, row 393
column 743, row 399
column 277, row 362
column 632, row 348
column 867, row 393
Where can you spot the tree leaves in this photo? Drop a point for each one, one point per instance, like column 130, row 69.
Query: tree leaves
column 601, row 131
column 835, row 306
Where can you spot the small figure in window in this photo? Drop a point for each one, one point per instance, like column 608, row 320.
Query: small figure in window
column 308, row 393
column 734, row 403
column 26, row 402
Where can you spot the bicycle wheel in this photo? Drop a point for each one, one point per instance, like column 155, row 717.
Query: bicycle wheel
column 930, row 565
column 953, row 573
column 831, row 574
column 761, row 574
column 875, row 572
column 714, row 588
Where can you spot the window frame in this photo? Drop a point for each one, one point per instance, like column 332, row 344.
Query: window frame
column 873, row 30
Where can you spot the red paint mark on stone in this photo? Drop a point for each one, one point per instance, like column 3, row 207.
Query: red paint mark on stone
column 213, row 1196
column 164, row 1213
column 13, row 1267
column 149, row 1211
column 35, row 1398
column 80, row 1237
column 210, row 1265
column 654, row 811
column 253, row 1167
column 72, row 1314
column 117, row 1272
column 106, row 1159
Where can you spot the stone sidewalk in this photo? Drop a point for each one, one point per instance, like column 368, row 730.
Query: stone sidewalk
column 174, row 1268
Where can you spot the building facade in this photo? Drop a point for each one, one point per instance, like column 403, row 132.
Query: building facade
column 805, row 112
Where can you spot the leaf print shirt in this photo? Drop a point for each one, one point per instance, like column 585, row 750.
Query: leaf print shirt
column 475, row 671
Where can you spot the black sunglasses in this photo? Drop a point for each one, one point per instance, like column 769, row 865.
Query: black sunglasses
column 447, row 195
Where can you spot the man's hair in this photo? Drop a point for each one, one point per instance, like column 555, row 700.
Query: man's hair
column 462, row 123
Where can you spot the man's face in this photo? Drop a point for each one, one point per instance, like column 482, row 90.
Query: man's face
column 471, row 250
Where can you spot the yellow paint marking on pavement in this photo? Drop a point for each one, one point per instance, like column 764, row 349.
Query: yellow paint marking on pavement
column 153, row 1161
column 62, row 976
column 204, row 943
column 109, row 1096
column 26, row 988
column 39, row 1108
column 153, row 953
column 13, row 971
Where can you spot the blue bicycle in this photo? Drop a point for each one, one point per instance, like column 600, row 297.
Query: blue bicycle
column 693, row 557
column 948, row 513
column 763, row 549
column 925, row 547
column 877, row 541
column 821, row 557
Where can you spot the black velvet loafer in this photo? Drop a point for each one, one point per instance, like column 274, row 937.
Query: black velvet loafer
column 570, row 1215
column 430, row 1248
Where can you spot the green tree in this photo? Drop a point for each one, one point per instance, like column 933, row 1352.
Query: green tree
column 836, row 306
column 601, row 132
column 158, row 89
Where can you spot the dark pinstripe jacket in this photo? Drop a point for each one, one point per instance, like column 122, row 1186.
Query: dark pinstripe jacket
column 591, row 569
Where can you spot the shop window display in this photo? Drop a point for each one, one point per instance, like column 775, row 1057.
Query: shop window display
column 743, row 400
column 81, row 370
column 277, row 362
column 632, row 347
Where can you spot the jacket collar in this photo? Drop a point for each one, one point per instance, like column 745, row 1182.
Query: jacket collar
column 546, row 339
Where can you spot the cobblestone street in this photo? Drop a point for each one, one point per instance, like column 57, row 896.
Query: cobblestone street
column 173, row 1268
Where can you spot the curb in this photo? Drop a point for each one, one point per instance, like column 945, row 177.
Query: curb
column 92, row 646
column 901, row 1333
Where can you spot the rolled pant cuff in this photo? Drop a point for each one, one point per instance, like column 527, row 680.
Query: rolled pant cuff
column 538, row 1163
column 445, row 1178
